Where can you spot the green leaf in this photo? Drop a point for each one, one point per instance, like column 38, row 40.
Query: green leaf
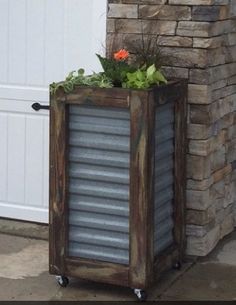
column 150, row 71
column 81, row 71
column 160, row 77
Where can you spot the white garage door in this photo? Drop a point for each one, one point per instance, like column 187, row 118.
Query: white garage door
column 41, row 41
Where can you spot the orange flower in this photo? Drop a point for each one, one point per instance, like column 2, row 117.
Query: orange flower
column 121, row 55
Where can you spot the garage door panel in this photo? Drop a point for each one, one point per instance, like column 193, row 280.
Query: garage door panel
column 3, row 156
column 35, row 29
column 54, row 41
column 10, row 95
column 34, row 149
column 4, row 41
column 17, row 41
column 16, row 158
column 41, row 42
column 79, row 44
column 45, row 161
column 21, row 107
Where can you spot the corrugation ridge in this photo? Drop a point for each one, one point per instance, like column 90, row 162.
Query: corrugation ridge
column 95, row 188
column 99, row 121
column 97, row 129
column 101, row 253
column 164, row 135
column 164, row 227
column 99, row 237
column 105, row 112
column 106, row 174
column 164, row 178
column 162, row 197
column 164, row 150
column 99, row 142
column 164, row 181
column 163, row 243
column 104, row 206
column 101, row 221
column 162, row 214
column 85, row 155
column 164, row 166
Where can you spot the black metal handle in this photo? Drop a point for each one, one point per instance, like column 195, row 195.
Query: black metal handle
column 37, row 107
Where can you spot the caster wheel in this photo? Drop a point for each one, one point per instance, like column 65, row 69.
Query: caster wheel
column 177, row 266
column 63, row 281
column 141, row 294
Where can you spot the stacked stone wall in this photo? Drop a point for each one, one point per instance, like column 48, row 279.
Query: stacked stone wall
column 200, row 37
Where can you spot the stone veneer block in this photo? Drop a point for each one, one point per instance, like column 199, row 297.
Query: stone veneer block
column 165, row 12
column 148, row 26
column 199, row 185
column 201, row 246
column 122, row 11
column 209, row 13
column 194, row 29
column 220, row 174
column 199, row 231
column 200, row 131
column 199, row 94
column 201, row 218
column 198, row 167
column 199, row 2
column 208, row 43
column 227, row 226
column 198, row 200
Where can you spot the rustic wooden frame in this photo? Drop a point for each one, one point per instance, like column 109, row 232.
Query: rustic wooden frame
column 143, row 266
column 177, row 94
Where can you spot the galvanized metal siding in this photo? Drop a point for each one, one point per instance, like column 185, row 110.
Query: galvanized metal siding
column 99, row 152
column 164, row 177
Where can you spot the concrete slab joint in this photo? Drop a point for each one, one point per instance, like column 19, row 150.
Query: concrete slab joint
column 200, row 36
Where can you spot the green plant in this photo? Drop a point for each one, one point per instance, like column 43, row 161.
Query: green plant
column 95, row 80
column 116, row 69
column 144, row 78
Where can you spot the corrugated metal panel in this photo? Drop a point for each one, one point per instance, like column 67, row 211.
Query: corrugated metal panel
column 164, row 177
column 99, row 163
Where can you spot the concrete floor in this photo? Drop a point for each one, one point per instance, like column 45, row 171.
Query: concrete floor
column 24, row 276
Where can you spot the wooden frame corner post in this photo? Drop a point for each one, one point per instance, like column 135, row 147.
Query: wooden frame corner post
column 141, row 189
column 58, row 185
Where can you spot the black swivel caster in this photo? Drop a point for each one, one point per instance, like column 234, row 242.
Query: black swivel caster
column 177, row 266
column 63, row 281
column 141, row 294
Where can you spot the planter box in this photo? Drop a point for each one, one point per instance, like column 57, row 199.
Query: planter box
column 117, row 183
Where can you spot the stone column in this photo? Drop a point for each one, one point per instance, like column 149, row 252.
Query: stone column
column 200, row 37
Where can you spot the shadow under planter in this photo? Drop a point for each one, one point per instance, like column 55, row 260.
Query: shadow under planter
column 117, row 183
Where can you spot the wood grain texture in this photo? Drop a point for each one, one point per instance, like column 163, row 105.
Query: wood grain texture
column 141, row 189
column 97, row 271
column 180, row 169
column 58, row 185
column 99, row 97
column 169, row 93
column 165, row 261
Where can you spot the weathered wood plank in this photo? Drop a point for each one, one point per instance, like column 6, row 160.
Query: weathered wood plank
column 180, row 170
column 165, row 261
column 98, row 101
column 113, row 97
column 169, row 93
column 141, row 190
column 58, row 187
column 97, row 271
